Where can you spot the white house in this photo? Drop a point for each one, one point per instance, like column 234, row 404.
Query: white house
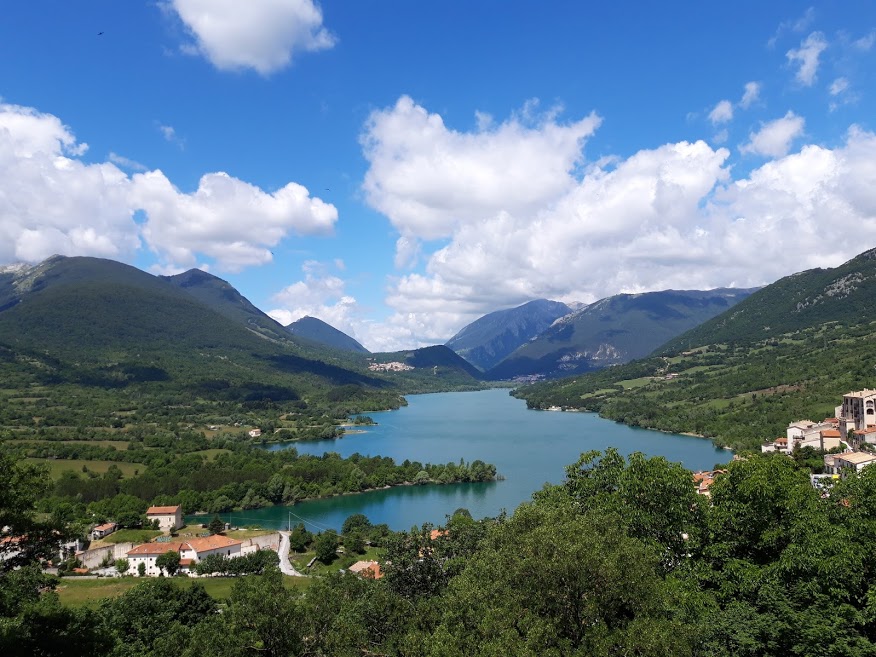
column 255, row 433
column 191, row 551
column 103, row 530
column 169, row 517
column 856, row 461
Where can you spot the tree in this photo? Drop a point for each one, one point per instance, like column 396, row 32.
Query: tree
column 168, row 561
column 552, row 580
column 262, row 618
column 216, row 525
column 325, row 546
column 356, row 521
column 29, row 540
column 141, row 569
column 354, row 542
column 299, row 538
column 122, row 566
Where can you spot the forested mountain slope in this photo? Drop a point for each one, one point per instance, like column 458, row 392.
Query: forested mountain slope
column 312, row 328
column 788, row 352
column 614, row 330
column 222, row 297
column 110, row 328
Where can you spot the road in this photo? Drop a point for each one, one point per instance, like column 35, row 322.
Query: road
column 285, row 566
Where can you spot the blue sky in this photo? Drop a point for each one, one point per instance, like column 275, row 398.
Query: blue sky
column 399, row 169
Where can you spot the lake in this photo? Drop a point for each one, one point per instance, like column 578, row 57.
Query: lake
column 529, row 448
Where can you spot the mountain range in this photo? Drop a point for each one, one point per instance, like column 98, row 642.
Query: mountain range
column 91, row 321
column 547, row 339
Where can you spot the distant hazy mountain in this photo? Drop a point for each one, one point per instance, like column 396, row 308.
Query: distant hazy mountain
column 615, row 330
column 222, row 297
column 488, row 340
column 319, row 331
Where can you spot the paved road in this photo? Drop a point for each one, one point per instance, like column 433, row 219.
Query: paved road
column 285, row 566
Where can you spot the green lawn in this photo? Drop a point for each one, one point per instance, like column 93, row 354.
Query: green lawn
column 58, row 466
column 635, row 383
column 132, row 536
column 77, row 592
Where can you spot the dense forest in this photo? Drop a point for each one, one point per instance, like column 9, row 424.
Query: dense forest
column 623, row 558
column 218, row 476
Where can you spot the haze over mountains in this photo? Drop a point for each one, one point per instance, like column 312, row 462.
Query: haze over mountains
column 486, row 341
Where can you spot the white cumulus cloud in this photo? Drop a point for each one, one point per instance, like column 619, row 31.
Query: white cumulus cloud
column 321, row 294
column 806, row 57
column 774, row 138
column 253, row 34
column 429, row 179
column 668, row 217
column 227, row 219
column 52, row 201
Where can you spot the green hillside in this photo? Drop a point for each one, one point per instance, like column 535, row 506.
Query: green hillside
column 86, row 342
column 786, row 353
column 220, row 296
column 320, row 332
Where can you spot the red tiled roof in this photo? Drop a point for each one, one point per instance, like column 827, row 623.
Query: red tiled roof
column 161, row 510
column 211, row 542
column 830, row 433
column 104, row 527
column 367, row 569
column 196, row 544
column 154, row 548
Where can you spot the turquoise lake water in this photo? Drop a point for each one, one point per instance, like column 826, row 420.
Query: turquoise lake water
column 529, row 448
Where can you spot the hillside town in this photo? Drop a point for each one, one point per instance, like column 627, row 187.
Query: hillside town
column 849, row 437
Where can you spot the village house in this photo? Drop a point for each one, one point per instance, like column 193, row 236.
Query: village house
column 169, row 517
column 867, row 435
column 859, row 409
column 847, row 461
column 703, row 481
column 370, row 569
column 255, row 433
column 191, row 551
column 103, row 530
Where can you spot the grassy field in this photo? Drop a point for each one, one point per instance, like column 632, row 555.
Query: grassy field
column 76, row 592
column 58, row 466
column 300, row 561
